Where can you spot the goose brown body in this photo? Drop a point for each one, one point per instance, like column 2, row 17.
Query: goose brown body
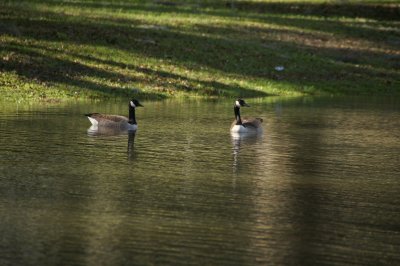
column 116, row 121
column 108, row 119
column 252, row 123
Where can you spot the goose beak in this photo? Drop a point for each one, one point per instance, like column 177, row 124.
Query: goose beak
column 243, row 103
column 135, row 103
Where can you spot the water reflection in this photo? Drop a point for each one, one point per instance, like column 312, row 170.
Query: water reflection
column 319, row 186
column 131, row 145
column 248, row 141
column 95, row 131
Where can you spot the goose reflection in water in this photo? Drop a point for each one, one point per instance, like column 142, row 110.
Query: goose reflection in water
column 95, row 131
column 131, row 144
column 240, row 141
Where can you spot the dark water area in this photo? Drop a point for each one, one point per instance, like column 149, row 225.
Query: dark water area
column 319, row 186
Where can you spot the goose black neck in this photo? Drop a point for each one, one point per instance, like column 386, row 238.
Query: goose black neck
column 236, row 109
column 132, row 117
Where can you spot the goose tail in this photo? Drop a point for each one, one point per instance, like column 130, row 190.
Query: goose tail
column 92, row 120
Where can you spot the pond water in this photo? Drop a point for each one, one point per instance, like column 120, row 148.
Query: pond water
column 320, row 185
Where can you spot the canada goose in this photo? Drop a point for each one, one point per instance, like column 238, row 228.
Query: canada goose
column 116, row 121
column 247, row 125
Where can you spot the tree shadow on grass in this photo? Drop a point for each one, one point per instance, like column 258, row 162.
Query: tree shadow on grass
column 41, row 67
column 343, row 9
column 211, row 88
column 231, row 55
column 313, row 42
column 333, row 9
column 374, row 31
column 271, row 13
column 50, row 70
column 69, row 30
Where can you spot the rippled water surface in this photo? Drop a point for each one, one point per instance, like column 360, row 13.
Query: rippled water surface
column 321, row 185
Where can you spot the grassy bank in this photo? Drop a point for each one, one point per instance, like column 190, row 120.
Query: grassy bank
column 155, row 49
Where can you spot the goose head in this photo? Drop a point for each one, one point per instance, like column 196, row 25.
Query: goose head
column 240, row 102
column 135, row 103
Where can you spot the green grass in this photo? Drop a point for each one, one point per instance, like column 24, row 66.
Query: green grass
column 156, row 49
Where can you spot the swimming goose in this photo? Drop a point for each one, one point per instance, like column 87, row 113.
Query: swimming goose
column 116, row 121
column 247, row 125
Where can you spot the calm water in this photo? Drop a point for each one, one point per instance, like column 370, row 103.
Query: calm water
column 320, row 186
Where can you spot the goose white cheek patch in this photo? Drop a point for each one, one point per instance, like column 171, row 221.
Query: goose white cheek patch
column 132, row 104
column 237, row 103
